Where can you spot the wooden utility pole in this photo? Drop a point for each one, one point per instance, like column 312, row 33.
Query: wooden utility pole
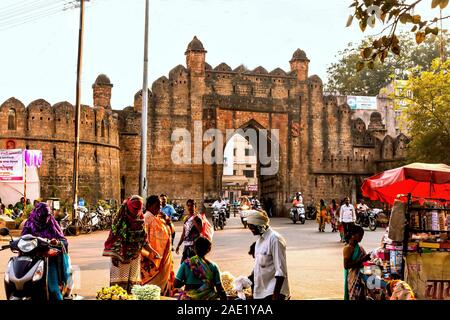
column 77, row 109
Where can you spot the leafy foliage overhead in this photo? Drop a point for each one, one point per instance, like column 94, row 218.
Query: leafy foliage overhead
column 426, row 118
column 392, row 13
column 344, row 79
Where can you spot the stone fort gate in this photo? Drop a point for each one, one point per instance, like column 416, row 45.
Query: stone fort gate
column 219, row 98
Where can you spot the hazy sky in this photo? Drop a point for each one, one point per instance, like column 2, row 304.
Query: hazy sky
column 38, row 58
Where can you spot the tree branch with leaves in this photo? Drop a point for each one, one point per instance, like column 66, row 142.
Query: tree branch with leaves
column 392, row 13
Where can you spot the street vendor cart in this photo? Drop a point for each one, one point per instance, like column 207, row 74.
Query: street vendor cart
column 416, row 247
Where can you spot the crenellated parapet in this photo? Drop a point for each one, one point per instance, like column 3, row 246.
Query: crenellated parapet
column 41, row 120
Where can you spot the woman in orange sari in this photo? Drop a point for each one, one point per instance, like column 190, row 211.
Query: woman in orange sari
column 157, row 265
column 322, row 216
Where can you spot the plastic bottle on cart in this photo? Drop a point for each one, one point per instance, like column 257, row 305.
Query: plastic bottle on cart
column 396, row 257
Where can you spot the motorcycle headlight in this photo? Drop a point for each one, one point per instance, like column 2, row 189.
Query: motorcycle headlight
column 39, row 272
column 27, row 245
column 7, row 271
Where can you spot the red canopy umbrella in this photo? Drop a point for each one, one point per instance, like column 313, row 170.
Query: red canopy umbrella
column 422, row 180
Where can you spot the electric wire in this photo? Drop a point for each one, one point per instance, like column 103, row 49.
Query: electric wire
column 38, row 5
column 29, row 14
column 39, row 12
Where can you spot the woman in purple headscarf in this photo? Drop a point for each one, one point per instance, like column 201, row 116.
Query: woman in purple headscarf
column 41, row 223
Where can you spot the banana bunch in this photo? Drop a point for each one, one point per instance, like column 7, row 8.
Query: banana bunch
column 113, row 293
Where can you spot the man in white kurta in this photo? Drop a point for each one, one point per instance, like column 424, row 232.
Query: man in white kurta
column 270, row 269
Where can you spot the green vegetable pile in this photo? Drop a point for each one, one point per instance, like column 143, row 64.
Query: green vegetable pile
column 147, row 292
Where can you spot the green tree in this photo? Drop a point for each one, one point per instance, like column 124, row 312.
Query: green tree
column 344, row 79
column 426, row 117
column 391, row 13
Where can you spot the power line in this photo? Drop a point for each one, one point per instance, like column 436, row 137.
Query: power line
column 43, row 12
column 31, row 13
column 25, row 9
column 16, row 5
column 30, row 19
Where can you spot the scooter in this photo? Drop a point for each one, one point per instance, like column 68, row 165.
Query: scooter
column 243, row 213
column 26, row 274
column 297, row 213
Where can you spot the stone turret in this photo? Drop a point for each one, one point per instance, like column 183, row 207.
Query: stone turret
column 376, row 126
column 299, row 64
column 102, row 92
column 195, row 57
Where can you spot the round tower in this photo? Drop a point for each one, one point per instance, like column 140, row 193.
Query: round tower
column 195, row 57
column 299, row 63
column 102, row 92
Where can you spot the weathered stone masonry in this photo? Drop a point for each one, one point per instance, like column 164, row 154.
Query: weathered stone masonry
column 323, row 153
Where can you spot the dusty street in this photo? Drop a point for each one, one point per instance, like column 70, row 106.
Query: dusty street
column 314, row 259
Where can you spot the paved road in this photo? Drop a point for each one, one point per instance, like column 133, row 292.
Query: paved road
column 314, row 259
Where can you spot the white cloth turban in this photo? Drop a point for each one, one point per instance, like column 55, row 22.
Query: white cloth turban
column 258, row 218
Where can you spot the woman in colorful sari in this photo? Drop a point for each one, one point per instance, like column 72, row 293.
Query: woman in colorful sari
column 334, row 215
column 125, row 242
column 191, row 230
column 200, row 277
column 322, row 215
column 157, row 266
column 354, row 256
column 41, row 223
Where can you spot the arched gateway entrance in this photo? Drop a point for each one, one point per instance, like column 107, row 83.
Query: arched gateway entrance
column 197, row 100
column 253, row 162
column 268, row 134
column 198, row 104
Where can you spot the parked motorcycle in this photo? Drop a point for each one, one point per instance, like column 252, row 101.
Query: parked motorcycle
column 179, row 212
column 311, row 212
column 26, row 274
column 368, row 219
column 64, row 222
column 105, row 218
column 297, row 213
column 87, row 221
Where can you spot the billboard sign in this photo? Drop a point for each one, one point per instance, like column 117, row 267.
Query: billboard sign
column 362, row 102
column 11, row 165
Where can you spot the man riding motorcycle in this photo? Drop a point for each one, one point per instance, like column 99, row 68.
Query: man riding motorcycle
column 361, row 211
column 219, row 205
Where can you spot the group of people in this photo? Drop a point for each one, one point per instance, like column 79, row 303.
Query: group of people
column 140, row 245
column 16, row 210
column 341, row 216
